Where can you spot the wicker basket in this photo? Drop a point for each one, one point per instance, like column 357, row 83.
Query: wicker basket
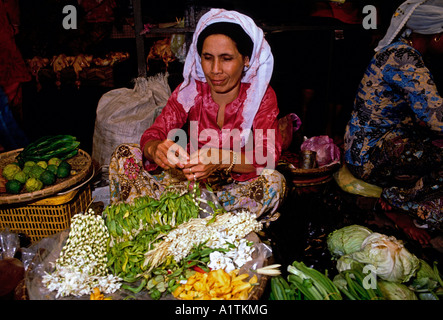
column 46, row 217
column 314, row 173
column 81, row 163
column 308, row 180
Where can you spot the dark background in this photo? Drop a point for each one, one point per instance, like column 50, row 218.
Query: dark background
column 302, row 55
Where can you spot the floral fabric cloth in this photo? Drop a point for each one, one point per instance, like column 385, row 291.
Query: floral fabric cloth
column 394, row 137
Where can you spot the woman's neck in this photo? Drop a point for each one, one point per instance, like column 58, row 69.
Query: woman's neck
column 224, row 98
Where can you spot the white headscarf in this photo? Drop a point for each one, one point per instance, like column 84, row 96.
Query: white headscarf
column 258, row 74
column 420, row 16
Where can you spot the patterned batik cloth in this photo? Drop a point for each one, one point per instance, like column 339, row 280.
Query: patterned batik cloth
column 128, row 179
column 393, row 139
column 410, row 170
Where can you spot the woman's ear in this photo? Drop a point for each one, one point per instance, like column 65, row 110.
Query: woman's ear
column 246, row 61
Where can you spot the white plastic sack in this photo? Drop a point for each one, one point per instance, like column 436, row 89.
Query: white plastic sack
column 124, row 114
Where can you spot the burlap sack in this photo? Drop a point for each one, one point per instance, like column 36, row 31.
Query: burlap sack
column 124, row 114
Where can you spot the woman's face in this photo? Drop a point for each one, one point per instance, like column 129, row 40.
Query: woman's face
column 222, row 64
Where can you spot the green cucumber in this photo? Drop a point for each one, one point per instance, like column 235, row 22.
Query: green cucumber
column 54, row 146
column 60, row 152
column 46, row 141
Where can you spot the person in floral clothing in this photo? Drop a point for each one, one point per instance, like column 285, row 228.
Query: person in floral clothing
column 394, row 137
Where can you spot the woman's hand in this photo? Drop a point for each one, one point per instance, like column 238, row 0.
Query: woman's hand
column 204, row 162
column 167, row 154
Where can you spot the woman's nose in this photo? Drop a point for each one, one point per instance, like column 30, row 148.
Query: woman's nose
column 216, row 66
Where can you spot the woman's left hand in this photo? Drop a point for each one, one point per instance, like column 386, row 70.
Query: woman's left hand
column 204, row 162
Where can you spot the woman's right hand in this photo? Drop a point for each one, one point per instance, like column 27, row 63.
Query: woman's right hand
column 166, row 153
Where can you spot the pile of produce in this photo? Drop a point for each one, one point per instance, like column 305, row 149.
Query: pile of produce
column 47, row 147
column 370, row 265
column 161, row 247
column 40, row 164
column 303, row 283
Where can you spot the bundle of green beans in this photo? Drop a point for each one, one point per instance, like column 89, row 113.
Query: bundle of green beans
column 135, row 227
column 126, row 220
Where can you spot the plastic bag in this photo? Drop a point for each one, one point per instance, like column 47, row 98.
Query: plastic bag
column 124, row 114
column 44, row 253
column 287, row 126
column 178, row 43
column 347, row 182
column 327, row 151
column 11, row 269
column 9, row 244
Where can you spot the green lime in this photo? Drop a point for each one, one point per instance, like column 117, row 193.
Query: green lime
column 21, row 177
column 27, row 169
column 54, row 161
column 52, row 168
column 33, row 184
column 65, row 164
column 48, row 178
column 63, row 172
column 42, row 164
column 10, row 170
column 29, row 163
column 13, row 186
column 36, row 171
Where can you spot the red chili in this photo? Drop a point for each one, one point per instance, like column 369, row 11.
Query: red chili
column 198, row 269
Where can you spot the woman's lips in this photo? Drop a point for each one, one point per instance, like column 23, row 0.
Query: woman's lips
column 217, row 82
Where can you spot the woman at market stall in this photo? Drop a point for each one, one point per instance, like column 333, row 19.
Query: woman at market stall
column 394, row 136
column 230, row 111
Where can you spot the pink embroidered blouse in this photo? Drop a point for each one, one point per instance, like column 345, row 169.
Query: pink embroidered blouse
column 203, row 115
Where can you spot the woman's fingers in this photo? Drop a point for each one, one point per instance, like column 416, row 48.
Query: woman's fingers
column 201, row 164
column 199, row 171
column 192, row 172
column 176, row 154
column 171, row 155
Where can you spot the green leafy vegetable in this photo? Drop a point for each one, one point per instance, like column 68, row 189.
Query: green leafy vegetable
column 347, row 240
column 391, row 260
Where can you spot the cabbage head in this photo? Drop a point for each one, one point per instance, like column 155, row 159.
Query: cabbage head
column 391, row 260
column 347, row 240
column 396, row 291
